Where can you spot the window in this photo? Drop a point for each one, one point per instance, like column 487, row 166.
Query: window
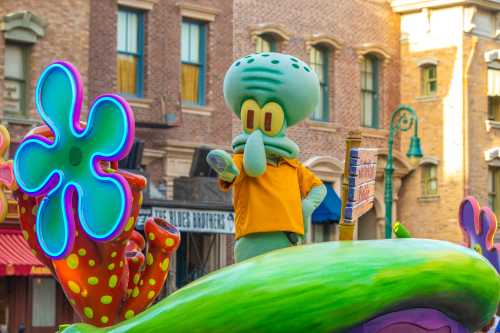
column 15, row 78
column 494, row 108
column 265, row 43
column 44, row 302
column 193, row 62
column 319, row 62
column 429, row 80
column 322, row 232
column 369, row 91
column 493, row 187
column 130, row 52
column 494, row 94
column 429, row 180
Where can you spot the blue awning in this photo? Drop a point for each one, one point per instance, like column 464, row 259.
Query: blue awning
column 329, row 210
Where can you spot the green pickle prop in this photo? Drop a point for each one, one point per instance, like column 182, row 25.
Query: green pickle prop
column 274, row 194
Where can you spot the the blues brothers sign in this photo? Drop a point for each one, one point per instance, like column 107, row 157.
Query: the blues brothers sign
column 192, row 220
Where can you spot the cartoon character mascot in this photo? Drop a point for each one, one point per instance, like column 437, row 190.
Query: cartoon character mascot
column 274, row 195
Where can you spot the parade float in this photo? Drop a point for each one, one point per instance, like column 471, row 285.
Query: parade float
column 78, row 211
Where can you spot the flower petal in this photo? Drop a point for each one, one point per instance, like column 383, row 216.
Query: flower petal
column 34, row 165
column 59, row 97
column 54, row 230
column 110, row 129
column 103, row 204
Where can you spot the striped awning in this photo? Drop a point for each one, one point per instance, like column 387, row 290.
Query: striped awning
column 16, row 257
column 493, row 82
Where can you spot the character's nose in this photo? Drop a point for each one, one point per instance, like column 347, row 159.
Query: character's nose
column 254, row 155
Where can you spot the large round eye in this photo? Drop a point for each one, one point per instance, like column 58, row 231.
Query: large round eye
column 250, row 115
column 272, row 119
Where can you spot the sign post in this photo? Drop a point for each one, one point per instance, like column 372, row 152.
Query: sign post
column 358, row 187
column 346, row 230
column 361, row 193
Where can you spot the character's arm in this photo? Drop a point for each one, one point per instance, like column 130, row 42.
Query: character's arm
column 313, row 191
column 223, row 164
column 310, row 203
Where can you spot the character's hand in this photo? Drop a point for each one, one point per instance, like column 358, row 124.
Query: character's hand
column 223, row 164
column 309, row 204
column 308, row 208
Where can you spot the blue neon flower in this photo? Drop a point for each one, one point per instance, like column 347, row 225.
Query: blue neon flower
column 69, row 164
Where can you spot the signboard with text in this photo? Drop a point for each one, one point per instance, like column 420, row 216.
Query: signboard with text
column 361, row 192
column 191, row 220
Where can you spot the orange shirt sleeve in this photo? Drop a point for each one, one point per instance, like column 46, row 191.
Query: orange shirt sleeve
column 307, row 180
column 238, row 161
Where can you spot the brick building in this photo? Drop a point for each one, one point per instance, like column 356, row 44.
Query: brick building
column 33, row 34
column 358, row 63
column 450, row 73
column 168, row 59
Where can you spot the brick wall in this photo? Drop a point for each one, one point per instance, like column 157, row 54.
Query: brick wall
column 66, row 38
column 335, row 19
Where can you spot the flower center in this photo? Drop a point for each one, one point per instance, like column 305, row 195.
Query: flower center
column 75, row 156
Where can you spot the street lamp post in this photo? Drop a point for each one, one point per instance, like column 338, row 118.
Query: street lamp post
column 402, row 119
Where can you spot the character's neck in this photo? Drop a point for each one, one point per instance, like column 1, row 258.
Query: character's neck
column 273, row 159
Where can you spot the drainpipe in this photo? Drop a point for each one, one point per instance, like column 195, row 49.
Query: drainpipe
column 465, row 106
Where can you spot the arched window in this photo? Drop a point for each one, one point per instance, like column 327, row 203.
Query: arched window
column 428, row 79
column 266, row 43
column 269, row 37
column 370, row 78
column 21, row 31
column 319, row 61
column 429, row 179
column 130, row 45
column 492, row 157
column 494, row 90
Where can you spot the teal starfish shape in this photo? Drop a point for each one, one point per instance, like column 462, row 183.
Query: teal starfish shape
column 70, row 164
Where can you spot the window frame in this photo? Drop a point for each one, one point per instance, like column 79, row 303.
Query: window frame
column 427, row 178
column 426, row 81
column 139, row 84
column 53, row 311
column 25, row 49
column 493, row 174
column 268, row 38
column 203, row 27
column 493, row 100
column 374, row 92
column 324, row 86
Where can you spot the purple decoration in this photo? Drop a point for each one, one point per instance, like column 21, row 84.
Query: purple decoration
column 418, row 320
column 479, row 226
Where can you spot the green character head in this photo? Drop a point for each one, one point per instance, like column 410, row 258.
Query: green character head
column 269, row 92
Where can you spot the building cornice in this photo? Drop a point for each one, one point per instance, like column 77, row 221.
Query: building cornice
column 405, row 6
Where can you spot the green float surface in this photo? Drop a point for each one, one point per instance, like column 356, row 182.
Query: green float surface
column 327, row 287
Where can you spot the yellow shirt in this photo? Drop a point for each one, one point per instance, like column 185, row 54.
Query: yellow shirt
column 272, row 201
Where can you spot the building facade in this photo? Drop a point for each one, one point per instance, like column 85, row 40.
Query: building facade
column 33, row 34
column 168, row 59
column 449, row 73
column 357, row 62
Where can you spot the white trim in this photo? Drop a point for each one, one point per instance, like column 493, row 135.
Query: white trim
column 197, row 12
column 427, row 61
column 491, row 155
column 404, row 6
column 323, row 39
column 492, row 56
column 429, row 160
column 138, row 4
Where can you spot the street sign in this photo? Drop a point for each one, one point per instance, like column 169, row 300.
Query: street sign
column 361, row 191
column 193, row 220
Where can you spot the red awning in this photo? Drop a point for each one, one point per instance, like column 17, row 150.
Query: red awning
column 16, row 257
